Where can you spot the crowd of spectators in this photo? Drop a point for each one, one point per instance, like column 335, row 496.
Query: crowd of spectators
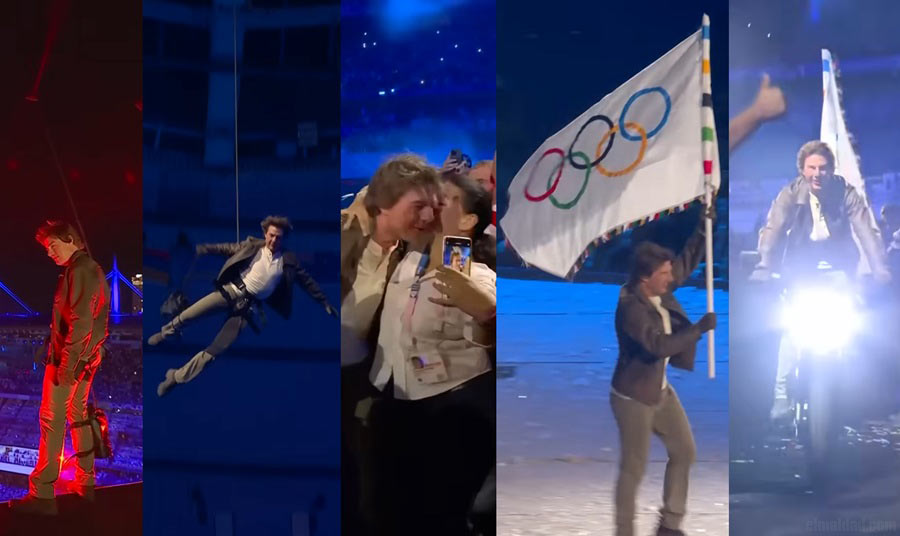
column 117, row 390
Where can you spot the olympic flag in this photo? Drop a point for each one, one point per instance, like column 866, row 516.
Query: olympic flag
column 647, row 147
column 834, row 132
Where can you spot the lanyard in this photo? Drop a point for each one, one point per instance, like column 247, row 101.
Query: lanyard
column 420, row 271
column 406, row 317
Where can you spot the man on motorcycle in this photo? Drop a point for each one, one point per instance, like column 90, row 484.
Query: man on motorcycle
column 817, row 213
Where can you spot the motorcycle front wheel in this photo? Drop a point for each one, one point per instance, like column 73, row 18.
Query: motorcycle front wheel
column 821, row 422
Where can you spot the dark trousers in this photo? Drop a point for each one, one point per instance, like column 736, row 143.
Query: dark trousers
column 430, row 458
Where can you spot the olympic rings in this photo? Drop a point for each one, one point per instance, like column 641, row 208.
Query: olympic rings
column 631, row 100
column 609, row 123
column 603, row 149
column 587, row 175
column 637, row 160
column 550, row 188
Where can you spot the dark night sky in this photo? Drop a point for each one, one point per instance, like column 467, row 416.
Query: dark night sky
column 88, row 93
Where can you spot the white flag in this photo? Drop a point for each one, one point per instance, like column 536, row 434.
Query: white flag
column 636, row 153
column 833, row 131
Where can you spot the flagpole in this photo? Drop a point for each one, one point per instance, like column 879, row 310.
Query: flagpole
column 711, row 334
column 709, row 125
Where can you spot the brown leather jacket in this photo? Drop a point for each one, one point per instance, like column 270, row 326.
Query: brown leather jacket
column 845, row 213
column 643, row 343
column 355, row 385
column 240, row 254
column 353, row 243
column 80, row 317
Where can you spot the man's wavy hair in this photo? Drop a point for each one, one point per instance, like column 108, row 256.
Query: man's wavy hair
column 400, row 174
column 278, row 221
column 814, row 147
column 61, row 230
column 646, row 259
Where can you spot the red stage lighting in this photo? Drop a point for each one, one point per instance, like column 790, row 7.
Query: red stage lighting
column 58, row 13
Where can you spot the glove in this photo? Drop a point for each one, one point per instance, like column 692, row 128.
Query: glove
column 707, row 323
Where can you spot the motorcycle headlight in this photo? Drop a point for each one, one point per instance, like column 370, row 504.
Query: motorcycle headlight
column 821, row 320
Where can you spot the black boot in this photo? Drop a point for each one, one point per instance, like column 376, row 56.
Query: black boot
column 34, row 505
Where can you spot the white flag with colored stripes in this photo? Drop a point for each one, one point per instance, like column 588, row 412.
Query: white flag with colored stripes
column 647, row 147
column 834, row 132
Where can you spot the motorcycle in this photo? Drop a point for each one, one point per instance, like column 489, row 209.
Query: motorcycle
column 822, row 319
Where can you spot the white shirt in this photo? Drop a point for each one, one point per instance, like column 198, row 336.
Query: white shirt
column 435, row 330
column 359, row 306
column 667, row 329
column 820, row 226
column 264, row 273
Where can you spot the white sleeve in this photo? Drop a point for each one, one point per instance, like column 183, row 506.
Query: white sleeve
column 485, row 278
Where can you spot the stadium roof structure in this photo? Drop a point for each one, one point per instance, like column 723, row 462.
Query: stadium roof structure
column 115, row 277
column 12, row 305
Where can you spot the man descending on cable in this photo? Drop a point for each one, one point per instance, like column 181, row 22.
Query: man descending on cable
column 817, row 215
column 78, row 329
column 257, row 270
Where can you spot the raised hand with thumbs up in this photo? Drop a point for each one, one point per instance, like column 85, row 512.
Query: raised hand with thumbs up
column 768, row 104
column 769, row 101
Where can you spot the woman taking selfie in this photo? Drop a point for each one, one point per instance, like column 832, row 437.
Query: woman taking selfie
column 434, row 366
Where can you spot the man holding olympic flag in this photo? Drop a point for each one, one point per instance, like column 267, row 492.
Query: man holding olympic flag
column 646, row 148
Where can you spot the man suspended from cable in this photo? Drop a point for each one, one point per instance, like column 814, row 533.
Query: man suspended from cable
column 257, row 270
column 78, row 330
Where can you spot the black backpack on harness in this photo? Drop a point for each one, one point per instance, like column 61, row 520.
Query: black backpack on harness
column 99, row 431
column 99, row 423
column 175, row 303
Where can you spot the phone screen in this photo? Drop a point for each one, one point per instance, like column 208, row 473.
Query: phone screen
column 458, row 253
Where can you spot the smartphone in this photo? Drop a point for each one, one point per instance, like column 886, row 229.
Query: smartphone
column 458, row 253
